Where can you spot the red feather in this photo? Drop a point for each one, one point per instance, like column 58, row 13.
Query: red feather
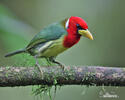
column 73, row 37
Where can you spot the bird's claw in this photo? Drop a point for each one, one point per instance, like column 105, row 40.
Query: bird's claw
column 61, row 66
column 38, row 66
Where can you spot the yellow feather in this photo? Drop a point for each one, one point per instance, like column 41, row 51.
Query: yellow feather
column 54, row 49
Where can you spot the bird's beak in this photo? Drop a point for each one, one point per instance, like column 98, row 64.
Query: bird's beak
column 86, row 33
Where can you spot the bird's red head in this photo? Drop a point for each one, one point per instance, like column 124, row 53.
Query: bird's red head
column 75, row 23
column 76, row 27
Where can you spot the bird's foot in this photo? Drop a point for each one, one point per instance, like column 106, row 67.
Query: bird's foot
column 58, row 63
column 61, row 66
column 38, row 67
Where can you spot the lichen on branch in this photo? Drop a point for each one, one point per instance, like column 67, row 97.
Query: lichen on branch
column 54, row 75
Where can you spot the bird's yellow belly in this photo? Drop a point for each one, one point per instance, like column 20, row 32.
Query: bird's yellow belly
column 54, row 49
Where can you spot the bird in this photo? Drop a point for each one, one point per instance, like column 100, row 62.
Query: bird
column 55, row 39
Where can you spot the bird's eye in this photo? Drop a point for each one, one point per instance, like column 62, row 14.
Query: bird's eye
column 78, row 26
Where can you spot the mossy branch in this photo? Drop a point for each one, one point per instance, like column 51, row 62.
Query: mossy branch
column 91, row 75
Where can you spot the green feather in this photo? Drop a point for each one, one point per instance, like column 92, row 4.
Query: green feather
column 47, row 43
column 52, row 32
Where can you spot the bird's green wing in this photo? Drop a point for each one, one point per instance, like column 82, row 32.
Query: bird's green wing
column 52, row 32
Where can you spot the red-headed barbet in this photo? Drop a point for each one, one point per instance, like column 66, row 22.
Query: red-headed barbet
column 56, row 38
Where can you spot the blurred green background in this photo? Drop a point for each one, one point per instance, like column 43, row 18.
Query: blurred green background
column 20, row 20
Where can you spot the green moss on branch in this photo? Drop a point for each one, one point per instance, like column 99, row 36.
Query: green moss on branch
column 91, row 75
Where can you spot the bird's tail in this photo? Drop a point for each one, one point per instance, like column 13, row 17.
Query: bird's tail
column 15, row 52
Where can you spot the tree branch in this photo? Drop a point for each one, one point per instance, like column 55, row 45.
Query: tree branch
column 91, row 75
